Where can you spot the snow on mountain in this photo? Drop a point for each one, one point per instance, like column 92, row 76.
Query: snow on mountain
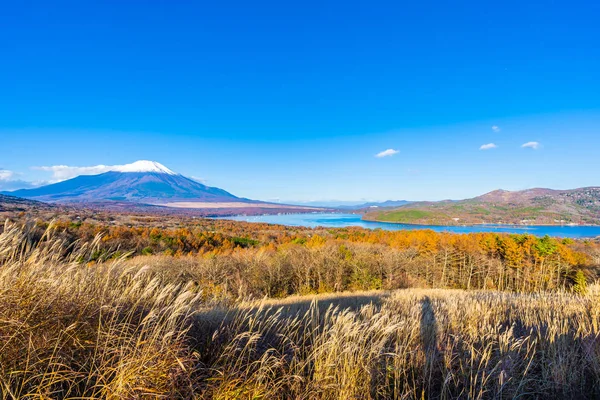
column 143, row 166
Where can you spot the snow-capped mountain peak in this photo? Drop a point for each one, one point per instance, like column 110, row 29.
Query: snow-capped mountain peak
column 143, row 181
column 144, row 166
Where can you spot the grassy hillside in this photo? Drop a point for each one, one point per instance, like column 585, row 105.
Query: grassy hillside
column 11, row 204
column 141, row 328
column 407, row 216
column 535, row 206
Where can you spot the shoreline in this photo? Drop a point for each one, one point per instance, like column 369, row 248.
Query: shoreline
column 412, row 224
column 347, row 220
column 481, row 224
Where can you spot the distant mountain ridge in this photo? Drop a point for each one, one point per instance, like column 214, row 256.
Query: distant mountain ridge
column 538, row 206
column 531, row 194
column 377, row 204
column 351, row 205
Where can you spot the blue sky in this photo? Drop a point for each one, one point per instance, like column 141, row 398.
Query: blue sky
column 294, row 101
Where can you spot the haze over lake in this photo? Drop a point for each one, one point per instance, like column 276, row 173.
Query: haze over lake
column 336, row 220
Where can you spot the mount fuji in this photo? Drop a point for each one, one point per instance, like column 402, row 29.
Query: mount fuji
column 143, row 182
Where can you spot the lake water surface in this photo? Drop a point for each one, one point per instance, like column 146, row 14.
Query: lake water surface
column 336, row 220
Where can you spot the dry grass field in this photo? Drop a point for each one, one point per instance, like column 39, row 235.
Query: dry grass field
column 120, row 329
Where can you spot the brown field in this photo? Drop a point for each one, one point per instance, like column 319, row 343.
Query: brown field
column 211, row 205
column 134, row 328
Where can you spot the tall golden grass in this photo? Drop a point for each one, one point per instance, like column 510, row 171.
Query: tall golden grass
column 69, row 329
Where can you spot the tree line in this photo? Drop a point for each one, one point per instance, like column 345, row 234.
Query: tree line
column 243, row 259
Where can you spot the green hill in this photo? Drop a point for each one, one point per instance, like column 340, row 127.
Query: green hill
column 528, row 207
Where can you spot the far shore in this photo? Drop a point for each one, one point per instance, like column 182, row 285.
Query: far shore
column 478, row 224
column 321, row 211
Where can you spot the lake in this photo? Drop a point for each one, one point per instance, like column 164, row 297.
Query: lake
column 335, row 220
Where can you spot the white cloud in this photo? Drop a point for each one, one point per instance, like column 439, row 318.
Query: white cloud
column 64, row 172
column 6, row 175
column 9, row 181
column 387, row 153
column 496, row 128
column 531, row 145
column 488, row 146
column 17, row 184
